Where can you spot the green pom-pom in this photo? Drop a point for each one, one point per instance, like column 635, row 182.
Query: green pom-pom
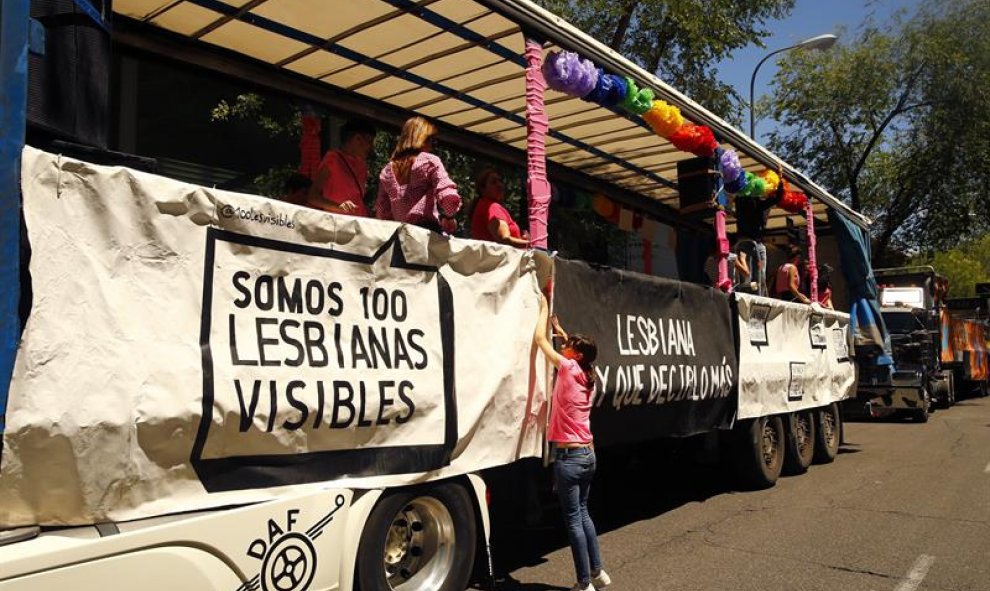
column 638, row 100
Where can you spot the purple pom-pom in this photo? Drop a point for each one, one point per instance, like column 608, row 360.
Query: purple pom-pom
column 567, row 72
column 731, row 168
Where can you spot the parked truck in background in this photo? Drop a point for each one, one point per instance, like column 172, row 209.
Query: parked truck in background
column 964, row 344
column 912, row 305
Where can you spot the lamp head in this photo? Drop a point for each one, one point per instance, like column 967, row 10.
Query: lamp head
column 820, row 42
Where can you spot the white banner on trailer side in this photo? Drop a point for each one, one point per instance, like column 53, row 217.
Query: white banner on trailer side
column 791, row 357
column 190, row 348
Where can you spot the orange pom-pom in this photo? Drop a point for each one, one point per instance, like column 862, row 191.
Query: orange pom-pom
column 696, row 139
column 793, row 202
column 603, row 206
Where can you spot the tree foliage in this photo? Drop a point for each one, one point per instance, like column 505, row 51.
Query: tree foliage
column 897, row 122
column 681, row 41
column 964, row 266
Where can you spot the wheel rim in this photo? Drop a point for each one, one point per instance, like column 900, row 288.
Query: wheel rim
column 802, row 433
column 769, row 443
column 828, row 428
column 419, row 546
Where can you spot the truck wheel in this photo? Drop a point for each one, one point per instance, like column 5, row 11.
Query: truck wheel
column 418, row 539
column 940, row 391
column 800, row 442
column 920, row 415
column 828, row 434
column 760, row 451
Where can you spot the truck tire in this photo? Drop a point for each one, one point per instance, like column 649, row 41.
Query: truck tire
column 759, row 451
column 421, row 538
column 940, row 394
column 800, row 442
column 920, row 415
column 828, row 434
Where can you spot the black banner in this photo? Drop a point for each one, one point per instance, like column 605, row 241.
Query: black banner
column 666, row 354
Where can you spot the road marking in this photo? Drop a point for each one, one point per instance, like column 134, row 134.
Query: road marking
column 917, row 574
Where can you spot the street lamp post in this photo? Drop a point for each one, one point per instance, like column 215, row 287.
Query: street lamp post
column 820, row 42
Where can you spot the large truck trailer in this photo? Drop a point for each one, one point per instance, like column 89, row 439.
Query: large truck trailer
column 204, row 388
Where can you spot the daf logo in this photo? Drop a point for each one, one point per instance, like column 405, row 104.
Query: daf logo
column 288, row 557
column 289, row 564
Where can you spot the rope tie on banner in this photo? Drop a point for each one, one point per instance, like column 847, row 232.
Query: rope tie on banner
column 58, row 176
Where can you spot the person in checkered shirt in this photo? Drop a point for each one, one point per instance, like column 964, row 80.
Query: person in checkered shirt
column 414, row 187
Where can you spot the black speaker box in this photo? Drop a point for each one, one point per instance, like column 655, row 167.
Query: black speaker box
column 69, row 86
column 696, row 182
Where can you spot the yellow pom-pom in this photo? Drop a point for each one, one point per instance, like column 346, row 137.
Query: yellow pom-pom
column 663, row 119
column 771, row 180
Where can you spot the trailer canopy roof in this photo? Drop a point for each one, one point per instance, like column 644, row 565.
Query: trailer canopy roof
column 461, row 62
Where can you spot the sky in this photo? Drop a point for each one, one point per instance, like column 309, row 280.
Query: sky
column 809, row 18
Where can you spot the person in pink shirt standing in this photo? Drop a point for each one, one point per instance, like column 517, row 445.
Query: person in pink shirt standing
column 342, row 177
column 413, row 187
column 574, row 454
column 489, row 219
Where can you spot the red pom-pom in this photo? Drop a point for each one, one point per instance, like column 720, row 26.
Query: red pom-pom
column 793, row 202
column 696, row 139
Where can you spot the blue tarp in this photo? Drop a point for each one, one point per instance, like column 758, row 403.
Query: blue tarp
column 14, row 19
column 871, row 340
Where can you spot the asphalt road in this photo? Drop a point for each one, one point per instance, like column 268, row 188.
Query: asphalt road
column 904, row 507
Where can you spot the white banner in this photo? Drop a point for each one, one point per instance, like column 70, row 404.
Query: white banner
column 189, row 348
column 791, row 357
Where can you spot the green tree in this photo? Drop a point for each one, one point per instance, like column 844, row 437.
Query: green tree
column 252, row 107
column 897, row 122
column 964, row 266
column 681, row 41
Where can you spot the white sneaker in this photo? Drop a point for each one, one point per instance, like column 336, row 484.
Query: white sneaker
column 602, row 580
column 580, row 587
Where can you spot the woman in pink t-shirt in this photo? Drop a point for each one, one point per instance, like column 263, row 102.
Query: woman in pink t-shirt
column 489, row 219
column 574, row 454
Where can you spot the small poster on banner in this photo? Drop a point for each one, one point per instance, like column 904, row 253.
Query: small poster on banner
column 757, row 325
column 795, row 387
column 816, row 330
column 840, row 344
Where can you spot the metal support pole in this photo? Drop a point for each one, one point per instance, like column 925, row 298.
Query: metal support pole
column 14, row 23
column 537, row 125
column 812, row 252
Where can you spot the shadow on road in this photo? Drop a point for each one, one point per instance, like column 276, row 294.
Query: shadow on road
column 628, row 487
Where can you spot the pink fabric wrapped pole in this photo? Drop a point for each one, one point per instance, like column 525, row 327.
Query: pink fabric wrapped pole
column 723, row 252
column 537, row 124
column 812, row 253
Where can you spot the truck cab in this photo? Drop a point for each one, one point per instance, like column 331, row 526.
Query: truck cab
column 911, row 303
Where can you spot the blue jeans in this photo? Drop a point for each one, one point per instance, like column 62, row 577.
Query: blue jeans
column 573, row 471
column 756, row 259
